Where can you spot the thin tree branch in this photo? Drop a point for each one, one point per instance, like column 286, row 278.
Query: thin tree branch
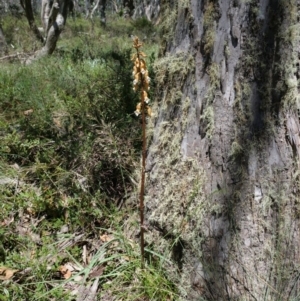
column 94, row 8
column 16, row 55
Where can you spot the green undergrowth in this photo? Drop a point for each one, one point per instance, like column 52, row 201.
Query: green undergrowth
column 69, row 144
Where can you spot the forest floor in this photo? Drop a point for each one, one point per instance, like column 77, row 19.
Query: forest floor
column 70, row 149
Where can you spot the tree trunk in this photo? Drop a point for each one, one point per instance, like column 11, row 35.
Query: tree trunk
column 100, row 5
column 26, row 4
column 128, row 7
column 87, row 6
column 148, row 8
column 3, row 45
column 53, row 18
column 223, row 180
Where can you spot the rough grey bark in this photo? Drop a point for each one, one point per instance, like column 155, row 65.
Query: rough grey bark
column 148, row 8
column 223, row 180
column 45, row 13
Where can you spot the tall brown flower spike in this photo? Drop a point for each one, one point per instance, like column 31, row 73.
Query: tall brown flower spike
column 141, row 83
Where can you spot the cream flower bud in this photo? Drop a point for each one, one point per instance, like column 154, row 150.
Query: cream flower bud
column 137, row 77
column 145, row 97
column 149, row 111
column 143, row 64
column 137, row 112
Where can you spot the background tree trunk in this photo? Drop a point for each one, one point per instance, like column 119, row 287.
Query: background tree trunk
column 53, row 18
column 2, row 41
column 128, row 7
column 26, row 4
column 148, row 8
column 223, row 180
column 100, row 5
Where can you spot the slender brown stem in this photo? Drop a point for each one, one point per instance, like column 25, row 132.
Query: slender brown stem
column 142, row 191
column 143, row 187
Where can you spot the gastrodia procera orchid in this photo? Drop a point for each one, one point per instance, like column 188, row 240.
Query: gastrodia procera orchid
column 141, row 78
column 141, row 83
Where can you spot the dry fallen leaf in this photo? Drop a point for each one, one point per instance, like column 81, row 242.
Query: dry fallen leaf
column 105, row 238
column 66, row 273
column 97, row 271
column 6, row 273
column 67, row 269
column 28, row 112
column 88, row 292
column 7, row 222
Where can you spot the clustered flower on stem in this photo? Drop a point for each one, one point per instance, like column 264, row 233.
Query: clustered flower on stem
column 141, row 78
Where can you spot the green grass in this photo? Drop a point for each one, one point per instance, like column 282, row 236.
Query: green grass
column 69, row 146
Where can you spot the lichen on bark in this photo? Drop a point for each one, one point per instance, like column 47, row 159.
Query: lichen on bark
column 223, row 179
